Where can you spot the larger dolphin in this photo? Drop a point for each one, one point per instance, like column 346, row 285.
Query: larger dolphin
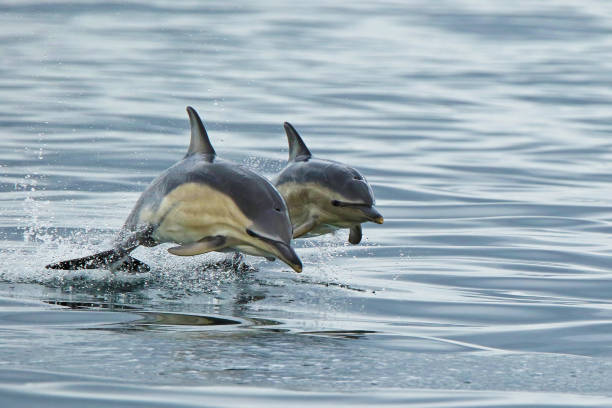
column 204, row 204
column 324, row 195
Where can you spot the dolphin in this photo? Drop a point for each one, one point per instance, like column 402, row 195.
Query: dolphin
column 323, row 195
column 203, row 203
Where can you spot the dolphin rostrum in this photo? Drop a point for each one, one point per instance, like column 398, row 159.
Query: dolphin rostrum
column 323, row 195
column 203, row 203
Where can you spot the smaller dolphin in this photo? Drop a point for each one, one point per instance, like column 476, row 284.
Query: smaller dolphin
column 323, row 195
column 204, row 204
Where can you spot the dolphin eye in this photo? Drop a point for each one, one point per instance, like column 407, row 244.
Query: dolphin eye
column 356, row 178
column 277, row 209
column 335, row 203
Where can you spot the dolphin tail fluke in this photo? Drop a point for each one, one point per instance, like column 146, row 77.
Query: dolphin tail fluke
column 113, row 259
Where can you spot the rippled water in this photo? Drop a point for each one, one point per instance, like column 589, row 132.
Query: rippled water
column 484, row 128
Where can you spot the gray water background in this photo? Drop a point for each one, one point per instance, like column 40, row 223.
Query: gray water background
column 484, row 128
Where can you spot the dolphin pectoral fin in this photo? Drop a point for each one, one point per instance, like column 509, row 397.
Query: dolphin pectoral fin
column 355, row 234
column 304, row 228
column 206, row 244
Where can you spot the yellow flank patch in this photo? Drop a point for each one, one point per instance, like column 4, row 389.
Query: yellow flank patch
column 310, row 202
column 193, row 211
column 306, row 200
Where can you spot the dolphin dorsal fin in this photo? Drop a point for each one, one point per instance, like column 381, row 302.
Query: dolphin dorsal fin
column 199, row 138
column 297, row 148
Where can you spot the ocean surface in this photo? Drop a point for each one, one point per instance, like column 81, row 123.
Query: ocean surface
column 483, row 127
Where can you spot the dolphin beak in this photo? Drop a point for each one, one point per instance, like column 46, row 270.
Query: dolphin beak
column 372, row 214
column 287, row 254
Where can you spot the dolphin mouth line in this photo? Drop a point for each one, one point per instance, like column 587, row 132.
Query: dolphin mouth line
column 289, row 258
column 265, row 239
column 337, row 203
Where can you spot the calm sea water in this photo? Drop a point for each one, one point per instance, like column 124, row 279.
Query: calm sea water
column 483, row 127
